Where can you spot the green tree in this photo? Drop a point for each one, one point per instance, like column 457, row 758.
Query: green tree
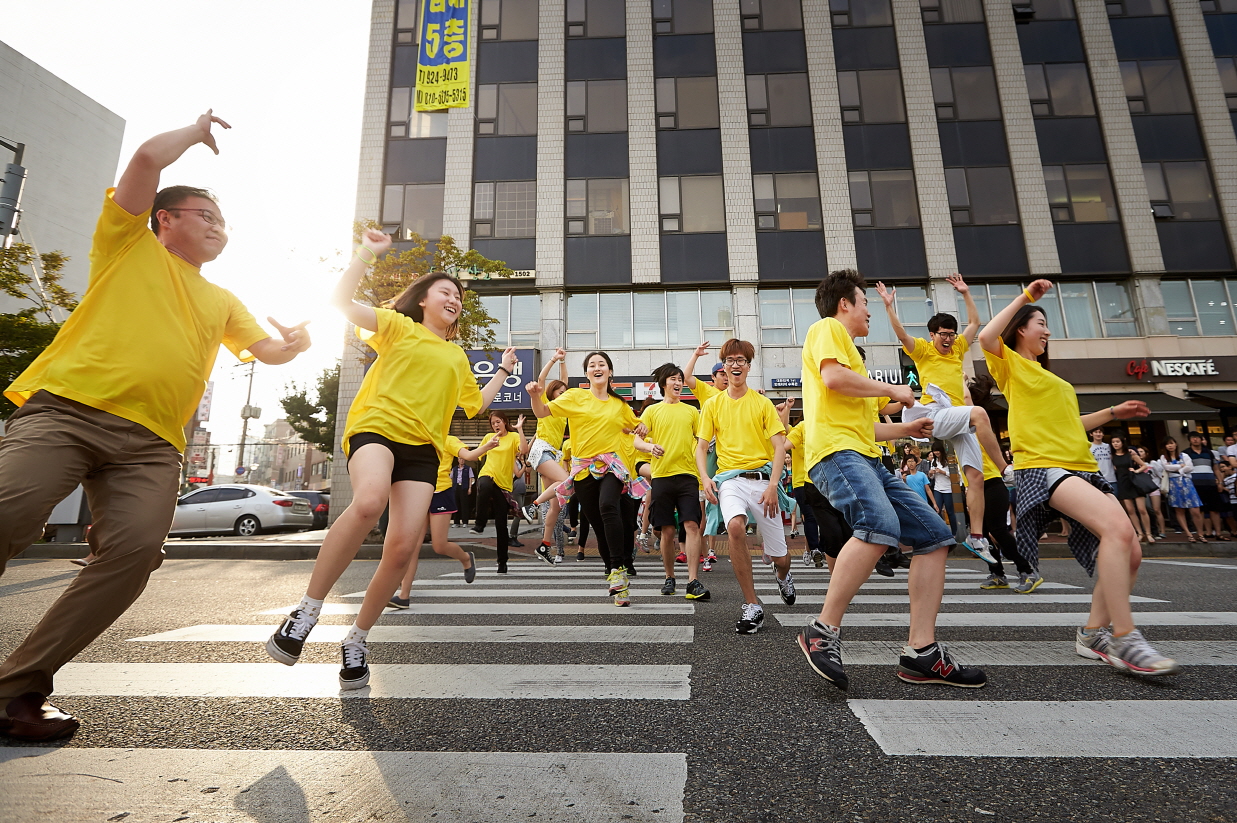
column 34, row 278
column 314, row 420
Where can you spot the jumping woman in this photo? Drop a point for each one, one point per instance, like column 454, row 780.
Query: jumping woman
column 544, row 456
column 497, row 478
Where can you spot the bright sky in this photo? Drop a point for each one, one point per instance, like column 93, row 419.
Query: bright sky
column 290, row 78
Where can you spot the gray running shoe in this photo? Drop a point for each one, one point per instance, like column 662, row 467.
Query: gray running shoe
column 818, row 558
column 1093, row 646
column 397, row 602
column 994, row 581
column 1028, row 583
column 807, row 559
column 1134, row 654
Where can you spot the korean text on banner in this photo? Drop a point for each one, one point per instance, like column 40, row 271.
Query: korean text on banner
column 442, row 68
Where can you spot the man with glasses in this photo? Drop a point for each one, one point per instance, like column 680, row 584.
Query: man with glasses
column 106, row 404
column 941, row 375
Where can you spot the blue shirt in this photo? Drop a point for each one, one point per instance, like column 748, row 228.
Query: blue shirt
column 919, row 482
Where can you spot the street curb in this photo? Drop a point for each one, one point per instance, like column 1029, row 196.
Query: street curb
column 244, row 551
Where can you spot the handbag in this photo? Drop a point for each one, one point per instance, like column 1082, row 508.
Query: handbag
column 1145, row 483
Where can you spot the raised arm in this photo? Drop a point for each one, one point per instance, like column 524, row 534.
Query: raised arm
column 886, row 295
column 972, row 311
column 475, row 454
column 519, row 429
column 495, row 382
column 1121, row 411
column 688, row 377
column 295, row 339
column 559, row 357
column 536, row 394
column 842, row 380
column 135, row 193
column 373, row 244
column 990, row 336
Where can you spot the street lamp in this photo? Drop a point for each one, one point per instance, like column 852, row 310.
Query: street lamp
column 10, row 192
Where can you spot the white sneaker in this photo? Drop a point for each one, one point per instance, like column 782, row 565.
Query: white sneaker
column 981, row 548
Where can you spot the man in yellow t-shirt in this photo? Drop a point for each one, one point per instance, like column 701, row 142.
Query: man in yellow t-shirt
column 843, row 462
column 106, row 404
column 940, row 363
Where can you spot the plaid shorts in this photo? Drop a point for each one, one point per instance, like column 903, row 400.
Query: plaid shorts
column 1035, row 486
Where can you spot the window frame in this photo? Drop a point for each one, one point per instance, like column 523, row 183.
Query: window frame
column 582, row 25
column 663, row 23
column 583, row 119
column 487, row 126
column 569, row 219
column 762, row 117
column 951, row 115
column 495, row 29
column 396, row 227
column 491, row 222
column 774, row 216
column 1138, row 103
column 755, row 20
column 593, row 341
column 968, row 219
column 858, row 110
column 678, row 215
column 857, row 213
column 795, row 296
column 509, row 335
column 667, row 118
column 1054, row 209
column 841, row 15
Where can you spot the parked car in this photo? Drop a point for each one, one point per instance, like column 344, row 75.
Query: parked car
column 319, row 504
column 240, row 509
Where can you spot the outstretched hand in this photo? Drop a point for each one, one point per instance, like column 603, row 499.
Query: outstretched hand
column 958, row 283
column 702, row 349
column 885, row 294
column 559, row 356
column 376, row 241
column 204, row 123
column 1131, row 408
column 1039, row 288
column 295, row 338
column 509, row 360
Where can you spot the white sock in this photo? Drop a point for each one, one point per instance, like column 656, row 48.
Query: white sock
column 310, row 608
column 356, row 635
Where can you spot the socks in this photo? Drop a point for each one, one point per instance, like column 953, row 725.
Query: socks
column 310, row 608
column 925, row 648
column 356, row 635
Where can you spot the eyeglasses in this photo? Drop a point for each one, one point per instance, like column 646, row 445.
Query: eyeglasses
column 946, row 335
column 207, row 215
column 735, row 361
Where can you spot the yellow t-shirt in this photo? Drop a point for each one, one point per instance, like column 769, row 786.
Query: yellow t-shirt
column 143, row 341
column 411, row 391
column 629, row 454
column 596, row 425
column 798, row 474
column 566, row 461
column 454, row 447
column 743, row 429
column 835, row 422
column 1045, row 429
column 704, row 391
column 673, row 426
column 500, row 461
column 943, row 370
column 550, row 429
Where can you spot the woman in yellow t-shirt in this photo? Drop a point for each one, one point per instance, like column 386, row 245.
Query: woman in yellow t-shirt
column 545, row 455
column 1056, row 472
column 497, row 478
column 394, row 437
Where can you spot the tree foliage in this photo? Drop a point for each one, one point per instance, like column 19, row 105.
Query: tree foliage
column 314, row 420
column 25, row 334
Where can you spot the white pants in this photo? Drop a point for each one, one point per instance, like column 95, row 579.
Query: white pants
column 740, row 496
column 950, row 423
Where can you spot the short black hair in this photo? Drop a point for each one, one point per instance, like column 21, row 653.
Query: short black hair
column 664, row 372
column 941, row 320
column 837, row 286
column 173, row 196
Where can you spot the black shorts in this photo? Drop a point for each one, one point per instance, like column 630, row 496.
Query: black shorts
column 1210, row 497
column 443, row 502
column 416, row 463
column 679, row 492
column 832, row 527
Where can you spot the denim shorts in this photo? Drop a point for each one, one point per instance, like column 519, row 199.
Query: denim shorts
column 879, row 507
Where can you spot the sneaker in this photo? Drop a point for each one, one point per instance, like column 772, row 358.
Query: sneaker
column 529, row 513
column 711, row 556
column 1134, row 654
column 617, row 580
column 1093, row 646
column 751, row 620
column 286, row 643
column 668, row 586
column 883, row 568
column 354, row 674
column 994, row 581
column 1027, row 583
column 795, row 534
column 786, row 588
column 937, row 666
column 696, row 591
column 515, row 544
column 558, row 558
column 645, row 541
column 623, row 598
column 631, row 570
column 707, row 567
column 475, row 531
column 981, row 548
column 546, row 553
column 681, row 557
column 823, row 650
column 397, row 602
column 766, row 558
column 807, row 559
column 818, row 558
column 579, row 557
column 897, row 559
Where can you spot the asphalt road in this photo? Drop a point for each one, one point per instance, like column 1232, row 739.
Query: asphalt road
column 524, row 720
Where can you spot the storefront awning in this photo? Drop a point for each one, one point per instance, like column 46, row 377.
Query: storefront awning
column 1216, row 399
column 1163, row 406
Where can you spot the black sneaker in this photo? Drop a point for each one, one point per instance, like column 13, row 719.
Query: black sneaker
column 516, row 544
column 546, row 552
column 751, row 620
column 579, row 557
column 470, row 573
column 894, row 557
column 631, row 570
column 668, row 586
column 823, row 650
column 529, row 513
column 354, row 674
column 397, row 602
column 286, row 643
column 786, row 588
column 937, row 666
column 696, row 591
column 883, row 568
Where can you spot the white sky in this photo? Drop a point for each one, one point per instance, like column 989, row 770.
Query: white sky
column 289, row 77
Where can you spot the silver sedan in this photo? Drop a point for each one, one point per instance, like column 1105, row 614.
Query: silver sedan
column 240, row 509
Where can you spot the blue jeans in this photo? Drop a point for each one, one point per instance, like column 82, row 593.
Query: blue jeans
column 879, row 507
column 945, row 500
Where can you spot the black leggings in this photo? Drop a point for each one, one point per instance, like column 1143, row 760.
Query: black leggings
column 831, row 527
column 996, row 507
column 600, row 501
column 491, row 503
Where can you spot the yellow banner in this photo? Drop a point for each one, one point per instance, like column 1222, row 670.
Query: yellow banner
column 442, row 67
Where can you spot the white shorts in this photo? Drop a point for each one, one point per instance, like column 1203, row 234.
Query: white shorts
column 741, row 496
column 951, row 424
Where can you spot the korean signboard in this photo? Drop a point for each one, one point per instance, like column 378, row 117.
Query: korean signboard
column 442, row 65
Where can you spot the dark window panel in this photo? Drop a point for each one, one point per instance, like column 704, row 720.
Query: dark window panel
column 1168, row 137
column 992, row 196
column 405, row 66
column 1223, row 31
column 684, row 55
column 1070, row 140
column 855, row 49
column 1091, row 248
column 507, row 62
column 776, row 150
column 597, row 261
column 503, row 158
column 696, row 151
column 1194, row 246
column 773, row 51
column 789, row 101
column 990, row 250
column 1051, row 41
column 597, row 59
column 882, row 146
column 959, row 44
column 791, row 255
column 1144, row 38
column 694, row 258
column 419, row 161
column 977, row 143
column 975, row 93
column 890, row 253
column 693, row 16
column 519, row 254
column 596, row 155
column 697, row 105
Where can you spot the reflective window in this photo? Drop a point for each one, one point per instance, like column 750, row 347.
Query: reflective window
column 404, row 122
column 1059, row 89
column 787, row 202
column 679, row 319
column 1053, row 9
column 1181, row 190
column 597, row 106
column 596, row 18
column 1073, row 308
column 1081, row 194
column 508, row 108
column 1197, row 307
column 965, row 93
column 1227, row 67
column 1116, row 311
column 518, row 316
column 981, row 196
column 1136, row 8
column 505, row 209
column 682, row 16
column 686, row 102
column 1225, row 6
column 778, row 100
column 1155, row 86
column 786, row 315
column 883, row 199
column 871, row 96
column 508, row 19
column 860, row 13
column 770, row 15
column 692, row 204
column 414, row 210
column 597, row 206
column 952, row 11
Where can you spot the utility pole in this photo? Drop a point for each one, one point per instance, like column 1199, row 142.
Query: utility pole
column 10, row 192
column 247, row 412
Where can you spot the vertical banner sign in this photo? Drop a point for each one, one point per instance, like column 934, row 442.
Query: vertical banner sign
column 442, row 67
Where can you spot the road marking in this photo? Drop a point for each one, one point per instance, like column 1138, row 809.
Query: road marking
column 596, row 591
column 437, row 634
column 488, row 787
column 951, row 599
column 1036, row 653
column 396, row 680
column 1019, row 619
column 499, row 587
column 1113, row 728
column 967, row 586
column 637, row 608
column 1184, row 563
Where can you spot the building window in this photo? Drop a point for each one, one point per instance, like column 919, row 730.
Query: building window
column 965, row 93
column 404, row 122
column 952, row 11
column 883, row 199
column 518, row 316
column 682, row 16
column 860, row 13
column 597, row 106
column 1181, row 190
column 1227, row 67
column 1077, row 309
column 1224, row 6
column 505, row 209
column 1080, row 194
column 621, row 320
column 692, row 204
column 1116, row 311
column 596, row 18
column 686, row 102
column 778, row 100
column 912, row 304
column 787, row 202
column 871, row 96
column 786, row 315
column 1155, row 86
column 508, row 19
column 1136, row 8
column 770, row 15
column 407, row 15
column 981, row 196
column 409, row 210
column 597, row 206
column 509, row 108
column 1059, row 90
column 1053, row 9
column 1199, row 306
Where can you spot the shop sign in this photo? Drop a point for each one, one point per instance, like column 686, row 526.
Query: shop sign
column 511, row 394
column 786, row 383
column 1173, row 367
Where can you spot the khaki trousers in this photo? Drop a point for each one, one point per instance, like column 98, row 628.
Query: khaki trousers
column 131, row 477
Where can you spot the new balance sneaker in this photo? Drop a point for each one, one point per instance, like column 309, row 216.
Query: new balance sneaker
column 397, row 602
column 529, row 512
column 546, row 552
column 981, row 548
column 818, row 558
column 1028, row 583
column 935, row 666
column 470, row 573
column 752, row 618
column 823, row 650
column 354, row 673
column 994, row 581
column 617, row 580
column 668, row 586
column 883, row 568
column 1093, row 645
column 681, row 557
column 696, row 591
column 1133, row 653
column 286, row 643
column 786, row 588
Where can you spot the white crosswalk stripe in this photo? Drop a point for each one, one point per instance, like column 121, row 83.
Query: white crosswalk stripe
column 1016, row 619
column 952, row 599
column 438, row 634
column 638, row 607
